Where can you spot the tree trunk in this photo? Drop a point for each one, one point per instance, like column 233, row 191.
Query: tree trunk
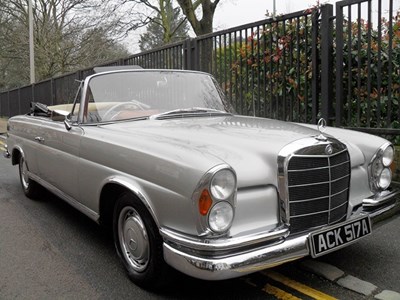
column 201, row 27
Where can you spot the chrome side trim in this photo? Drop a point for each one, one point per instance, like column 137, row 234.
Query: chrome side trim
column 79, row 206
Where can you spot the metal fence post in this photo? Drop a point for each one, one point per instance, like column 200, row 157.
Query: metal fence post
column 315, row 67
column 187, row 55
column 327, row 62
column 190, row 53
column 79, row 75
column 33, row 92
column 19, row 102
column 52, row 92
column 339, row 64
column 9, row 105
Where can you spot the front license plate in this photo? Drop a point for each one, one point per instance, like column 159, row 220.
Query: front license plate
column 332, row 238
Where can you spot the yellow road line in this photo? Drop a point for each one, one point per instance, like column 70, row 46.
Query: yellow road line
column 302, row 288
column 249, row 282
column 278, row 293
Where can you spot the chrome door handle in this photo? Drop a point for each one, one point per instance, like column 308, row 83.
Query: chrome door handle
column 39, row 139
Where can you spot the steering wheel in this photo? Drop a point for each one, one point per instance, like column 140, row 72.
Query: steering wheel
column 114, row 110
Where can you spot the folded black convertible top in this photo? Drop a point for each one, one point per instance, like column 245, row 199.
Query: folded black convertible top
column 40, row 109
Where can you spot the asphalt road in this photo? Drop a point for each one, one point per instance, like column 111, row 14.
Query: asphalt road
column 48, row 250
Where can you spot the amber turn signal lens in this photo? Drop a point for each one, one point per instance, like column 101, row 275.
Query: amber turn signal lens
column 205, row 202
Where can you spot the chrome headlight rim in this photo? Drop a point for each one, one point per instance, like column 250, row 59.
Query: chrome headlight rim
column 388, row 155
column 214, row 217
column 381, row 176
column 215, row 187
column 203, row 226
column 380, row 166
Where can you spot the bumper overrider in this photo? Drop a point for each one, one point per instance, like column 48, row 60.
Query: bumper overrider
column 6, row 154
column 230, row 258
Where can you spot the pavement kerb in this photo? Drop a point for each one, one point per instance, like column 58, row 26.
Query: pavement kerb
column 347, row 281
column 3, row 125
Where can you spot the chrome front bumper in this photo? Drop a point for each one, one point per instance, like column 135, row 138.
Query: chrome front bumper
column 224, row 262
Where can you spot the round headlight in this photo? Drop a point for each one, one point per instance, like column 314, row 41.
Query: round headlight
column 385, row 178
column 223, row 184
column 376, row 168
column 387, row 156
column 220, row 217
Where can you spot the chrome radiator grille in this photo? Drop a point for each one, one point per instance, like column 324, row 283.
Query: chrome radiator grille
column 318, row 189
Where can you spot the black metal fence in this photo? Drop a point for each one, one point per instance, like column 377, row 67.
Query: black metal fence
column 368, row 66
column 297, row 67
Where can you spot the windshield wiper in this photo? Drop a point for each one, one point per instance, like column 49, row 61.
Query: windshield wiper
column 101, row 123
column 189, row 112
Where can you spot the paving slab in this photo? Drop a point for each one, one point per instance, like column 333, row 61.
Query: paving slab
column 3, row 125
column 357, row 285
column 323, row 269
column 388, row 295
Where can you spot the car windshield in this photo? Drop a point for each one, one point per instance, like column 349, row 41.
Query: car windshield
column 161, row 94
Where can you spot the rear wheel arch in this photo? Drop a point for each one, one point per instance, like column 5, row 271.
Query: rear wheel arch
column 30, row 187
column 16, row 156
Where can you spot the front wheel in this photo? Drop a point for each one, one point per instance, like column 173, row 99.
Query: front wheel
column 138, row 243
column 31, row 188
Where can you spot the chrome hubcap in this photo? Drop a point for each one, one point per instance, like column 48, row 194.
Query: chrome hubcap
column 133, row 239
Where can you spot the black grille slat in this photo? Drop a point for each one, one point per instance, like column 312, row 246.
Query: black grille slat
column 338, row 213
column 308, row 177
column 339, row 199
column 318, row 188
column 308, row 192
column 302, row 163
column 340, row 171
column 339, row 158
column 301, row 223
column 309, row 207
column 339, row 185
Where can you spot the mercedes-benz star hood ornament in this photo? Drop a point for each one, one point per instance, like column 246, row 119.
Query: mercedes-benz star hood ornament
column 321, row 128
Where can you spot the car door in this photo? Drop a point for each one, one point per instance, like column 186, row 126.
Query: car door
column 59, row 156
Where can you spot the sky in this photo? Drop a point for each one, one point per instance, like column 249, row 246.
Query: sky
column 231, row 13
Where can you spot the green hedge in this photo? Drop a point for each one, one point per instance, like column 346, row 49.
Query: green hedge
column 274, row 67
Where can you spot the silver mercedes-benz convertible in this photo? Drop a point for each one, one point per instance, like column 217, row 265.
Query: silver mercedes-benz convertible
column 159, row 157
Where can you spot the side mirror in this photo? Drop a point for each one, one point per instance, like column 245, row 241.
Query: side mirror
column 59, row 115
column 62, row 115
